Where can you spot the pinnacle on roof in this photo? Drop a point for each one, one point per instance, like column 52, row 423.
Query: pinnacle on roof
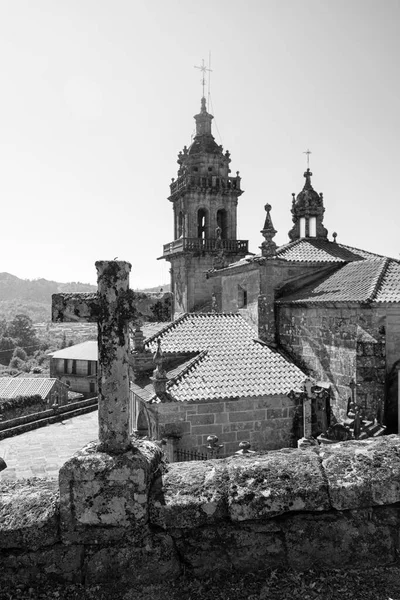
column 268, row 246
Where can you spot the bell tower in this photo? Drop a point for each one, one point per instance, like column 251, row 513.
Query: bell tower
column 204, row 199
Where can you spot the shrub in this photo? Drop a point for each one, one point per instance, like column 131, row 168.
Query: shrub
column 20, row 353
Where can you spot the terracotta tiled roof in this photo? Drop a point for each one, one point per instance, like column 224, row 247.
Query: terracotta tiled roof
column 312, row 250
column 11, row 387
column 389, row 288
column 231, row 362
column 318, row 250
column 376, row 280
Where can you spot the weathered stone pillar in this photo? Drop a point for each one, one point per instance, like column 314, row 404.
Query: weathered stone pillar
column 113, row 373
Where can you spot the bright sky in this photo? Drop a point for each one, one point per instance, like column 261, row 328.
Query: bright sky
column 98, row 97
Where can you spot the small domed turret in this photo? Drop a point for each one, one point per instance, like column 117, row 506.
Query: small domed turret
column 308, row 211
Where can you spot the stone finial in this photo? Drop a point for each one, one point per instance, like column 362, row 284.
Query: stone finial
column 159, row 374
column 213, row 447
column 334, row 235
column 138, row 339
column 244, row 448
column 268, row 247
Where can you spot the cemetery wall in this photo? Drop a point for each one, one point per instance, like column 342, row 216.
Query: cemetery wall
column 130, row 518
column 266, row 422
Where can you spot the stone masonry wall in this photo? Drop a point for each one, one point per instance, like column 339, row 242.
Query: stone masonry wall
column 266, row 422
column 337, row 344
column 131, row 519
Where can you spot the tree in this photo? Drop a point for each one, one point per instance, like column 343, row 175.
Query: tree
column 20, row 353
column 21, row 328
column 63, row 341
column 7, row 345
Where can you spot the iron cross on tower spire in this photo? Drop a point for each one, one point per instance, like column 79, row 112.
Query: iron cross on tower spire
column 204, row 70
column 308, row 152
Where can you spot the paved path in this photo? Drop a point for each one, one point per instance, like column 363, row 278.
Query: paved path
column 41, row 452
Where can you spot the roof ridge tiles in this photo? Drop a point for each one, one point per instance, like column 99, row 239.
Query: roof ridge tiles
column 380, row 278
column 187, row 368
column 172, row 325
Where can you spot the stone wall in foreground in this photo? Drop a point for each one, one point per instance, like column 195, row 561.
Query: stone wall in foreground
column 131, row 519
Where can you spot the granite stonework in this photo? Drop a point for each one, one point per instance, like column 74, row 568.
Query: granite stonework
column 337, row 344
column 103, row 497
column 133, row 519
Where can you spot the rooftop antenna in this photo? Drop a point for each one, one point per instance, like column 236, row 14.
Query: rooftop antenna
column 204, row 70
column 308, row 152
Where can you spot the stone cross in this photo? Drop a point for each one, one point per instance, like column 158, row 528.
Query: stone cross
column 113, row 308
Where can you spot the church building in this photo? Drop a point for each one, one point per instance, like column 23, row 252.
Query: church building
column 334, row 310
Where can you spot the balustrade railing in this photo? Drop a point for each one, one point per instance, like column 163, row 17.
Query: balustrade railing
column 204, row 245
column 198, row 181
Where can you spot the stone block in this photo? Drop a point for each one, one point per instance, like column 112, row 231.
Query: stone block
column 176, row 428
column 276, row 483
column 189, row 495
column 337, row 539
column 250, row 415
column 29, row 512
column 210, row 407
column 153, row 561
column 103, row 498
column 363, row 473
column 221, row 418
column 207, row 429
column 58, row 562
column 204, row 419
column 243, row 548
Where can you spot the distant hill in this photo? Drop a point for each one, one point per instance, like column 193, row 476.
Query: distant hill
column 33, row 296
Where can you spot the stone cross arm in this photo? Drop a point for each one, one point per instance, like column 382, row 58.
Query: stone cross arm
column 68, row 308
column 133, row 307
column 113, row 307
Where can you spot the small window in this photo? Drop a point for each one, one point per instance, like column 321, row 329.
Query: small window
column 210, row 168
column 312, row 227
column 242, row 297
column 302, row 227
column 92, row 387
column 201, row 223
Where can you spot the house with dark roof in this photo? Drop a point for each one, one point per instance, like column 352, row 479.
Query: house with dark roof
column 213, row 376
column 76, row 366
column 49, row 390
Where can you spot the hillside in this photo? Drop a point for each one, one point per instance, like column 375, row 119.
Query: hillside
column 33, row 297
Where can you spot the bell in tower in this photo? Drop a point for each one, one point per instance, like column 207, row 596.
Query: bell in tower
column 204, row 199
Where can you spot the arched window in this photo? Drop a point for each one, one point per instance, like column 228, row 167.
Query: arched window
column 201, row 223
column 142, row 424
column 222, row 222
column 180, row 224
column 302, row 227
column 312, row 227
